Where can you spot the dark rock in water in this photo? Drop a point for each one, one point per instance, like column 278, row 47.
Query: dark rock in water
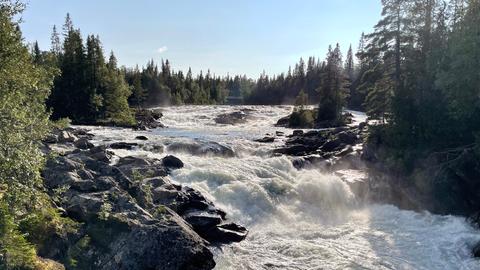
column 293, row 150
column 154, row 148
column 227, row 233
column 156, row 113
column 201, row 148
column 123, row 145
column 476, row 251
column 283, row 122
column 331, row 145
column 474, row 219
column 172, row 162
column 266, row 140
column 297, row 132
column 202, row 220
column 83, row 143
column 299, row 163
column 233, row 118
column 280, row 133
column 348, row 137
column 148, row 119
column 142, row 138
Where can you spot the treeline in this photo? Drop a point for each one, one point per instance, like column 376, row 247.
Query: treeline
column 154, row 86
column 88, row 88
column 315, row 78
column 421, row 72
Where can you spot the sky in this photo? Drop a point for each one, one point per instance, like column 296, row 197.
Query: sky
column 225, row 36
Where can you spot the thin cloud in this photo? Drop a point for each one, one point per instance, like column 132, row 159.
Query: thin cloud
column 162, row 49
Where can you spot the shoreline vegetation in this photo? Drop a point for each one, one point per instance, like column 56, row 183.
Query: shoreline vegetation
column 417, row 76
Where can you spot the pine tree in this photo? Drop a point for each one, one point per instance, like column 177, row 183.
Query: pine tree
column 56, row 46
column 116, row 96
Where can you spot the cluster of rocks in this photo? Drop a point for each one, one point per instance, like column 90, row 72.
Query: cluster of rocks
column 347, row 118
column 323, row 144
column 130, row 215
column 148, row 119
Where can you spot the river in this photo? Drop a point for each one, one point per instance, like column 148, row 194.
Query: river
column 304, row 219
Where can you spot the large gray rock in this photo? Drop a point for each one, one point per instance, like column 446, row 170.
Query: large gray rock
column 172, row 162
column 233, row 118
column 200, row 148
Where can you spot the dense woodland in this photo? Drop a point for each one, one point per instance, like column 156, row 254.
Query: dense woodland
column 417, row 73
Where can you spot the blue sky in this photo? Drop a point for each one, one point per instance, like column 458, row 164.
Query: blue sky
column 225, row 36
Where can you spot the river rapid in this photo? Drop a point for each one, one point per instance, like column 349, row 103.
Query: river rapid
column 306, row 219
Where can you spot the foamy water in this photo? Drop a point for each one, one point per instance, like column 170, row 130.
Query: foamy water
column 305, row 219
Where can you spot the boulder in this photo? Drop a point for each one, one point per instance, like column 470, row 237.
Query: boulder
column 141, row 138
column 297, row 132
column 331, row 145
column 148, row 119
column 266, row 140
column 293, row 150
column 476, row 250
column 83, row 143
column 283, row 122
column 123, row 145
column 172, row 162
column 347, row 137
column 200, row 148
column 233, row 118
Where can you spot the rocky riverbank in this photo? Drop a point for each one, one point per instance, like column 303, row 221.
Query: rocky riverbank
column 129, row 215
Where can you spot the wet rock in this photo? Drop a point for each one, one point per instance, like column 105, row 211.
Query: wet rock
column 201, row 148
column 123, row 145
column 83, row 143
column 283, row 122
column 347, row 137
column 331, row 145
column 172, row 162
column 233, row 118
column 280, row 133
column 202, row 220
column 476, row 251
column 266, row 140
column 293, row 150
column 154, row 148
column 148, row 119
column 297, row 132
column 141, row 138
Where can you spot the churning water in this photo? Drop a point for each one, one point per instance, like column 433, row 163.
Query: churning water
column 304, row 219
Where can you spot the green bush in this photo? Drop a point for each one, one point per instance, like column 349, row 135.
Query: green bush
column 302, row 119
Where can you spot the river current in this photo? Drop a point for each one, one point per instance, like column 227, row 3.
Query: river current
column 306, row 219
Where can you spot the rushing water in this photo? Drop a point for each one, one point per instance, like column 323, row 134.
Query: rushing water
column 304, row 219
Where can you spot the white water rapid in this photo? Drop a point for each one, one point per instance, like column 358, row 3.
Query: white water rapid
column 304, row 219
